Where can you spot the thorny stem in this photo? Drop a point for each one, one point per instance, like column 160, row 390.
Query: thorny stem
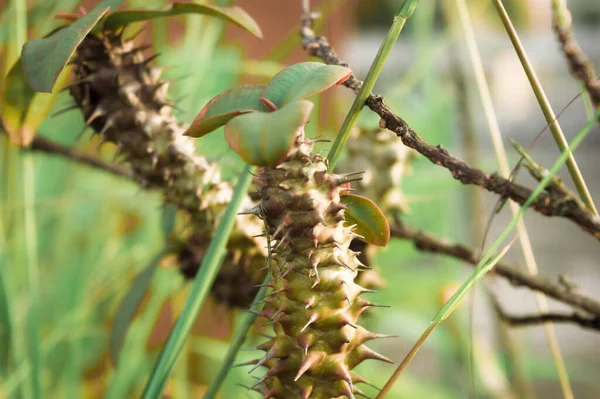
column 559, row 137
column 578, row 61
column 549, row 204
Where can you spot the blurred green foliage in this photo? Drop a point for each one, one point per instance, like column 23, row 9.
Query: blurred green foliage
column 96, row 232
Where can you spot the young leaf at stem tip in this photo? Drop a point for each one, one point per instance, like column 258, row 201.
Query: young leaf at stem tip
column 262, row 138
column 293, row 83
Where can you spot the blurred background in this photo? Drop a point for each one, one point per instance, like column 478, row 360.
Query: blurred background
column 96, row 232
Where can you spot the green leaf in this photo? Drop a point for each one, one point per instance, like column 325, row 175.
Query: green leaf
column 303, row 80
column 235, row 15
column 168, row 218
column 22, row 110
column 44, row 59
column 370, row 222
column 129, row 306
column 294, row 83
column 199, row 290
column 262, row 138
column 227, row 105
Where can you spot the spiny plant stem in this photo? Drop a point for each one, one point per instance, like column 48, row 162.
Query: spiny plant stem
column 555, row 128
column 400, row 17
column 236, row 343
column 487, row 263
column 198, row 292
column 496, row 135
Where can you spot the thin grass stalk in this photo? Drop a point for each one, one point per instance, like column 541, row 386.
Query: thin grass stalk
column 447, row 309
column 237, row 342
column 29, row 216
column 496, row 136
column 198, row 292
column 404, row 12
column 33, row 325
column 486, row 263
column 559, row 138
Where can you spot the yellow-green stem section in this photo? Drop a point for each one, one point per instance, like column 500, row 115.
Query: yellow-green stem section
column 198, row 292
column 403, row 13
column 557, row 133
column 29, row 219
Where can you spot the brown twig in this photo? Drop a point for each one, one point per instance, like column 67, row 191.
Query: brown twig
column 579, row 63
column 51, row 147
column 539, row 319
column 561, row 292
column 547, row 203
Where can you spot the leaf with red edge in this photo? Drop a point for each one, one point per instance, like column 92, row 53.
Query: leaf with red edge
column 227, row 105
column 303, row 80
column 44, row 59
column 235, row 15
column 370, row 222
column 262, row 138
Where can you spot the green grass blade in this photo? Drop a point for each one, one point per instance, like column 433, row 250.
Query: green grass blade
column 540, row 95
column 129, row 306
column 33, row 322
column 487, row 262
column 496, row 136
column 199, row 291
column 6, row 323
column 33, row 325
column 400, row 17
column 236, row 344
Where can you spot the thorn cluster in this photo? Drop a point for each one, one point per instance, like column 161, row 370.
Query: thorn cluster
column 124, row 100
column 314, row 303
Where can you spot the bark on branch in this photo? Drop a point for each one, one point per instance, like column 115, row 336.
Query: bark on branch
column 51, row 147
column 547, row 203
column 541, row 318
column 561, row 292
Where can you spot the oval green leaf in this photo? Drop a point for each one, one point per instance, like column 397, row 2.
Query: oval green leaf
column 44, row 59
column 370, row 222
column 235, row 15
column 227, row 105
column 264, row 139
column 303, row 80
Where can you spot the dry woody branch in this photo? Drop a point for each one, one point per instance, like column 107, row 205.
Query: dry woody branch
column 561, row 292
column 547, row 203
